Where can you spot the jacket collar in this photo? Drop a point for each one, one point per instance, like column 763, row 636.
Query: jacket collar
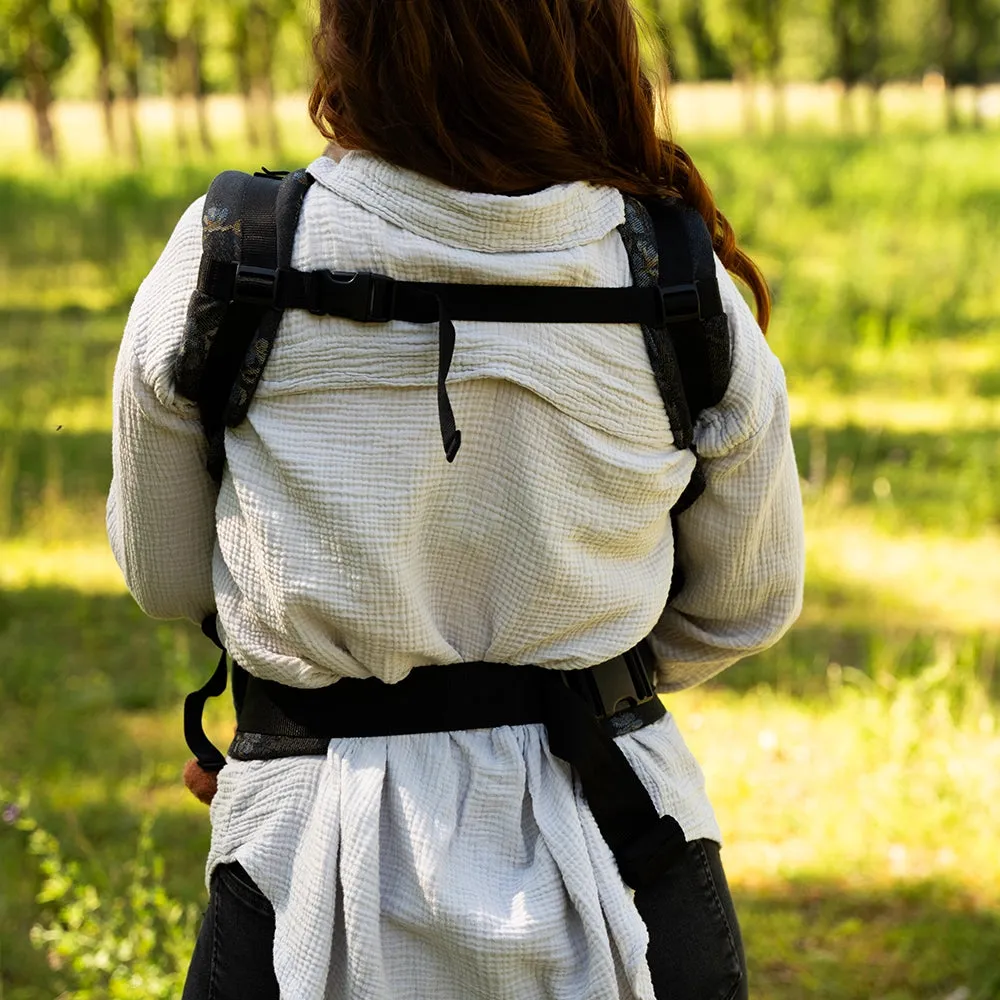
column 557, row 218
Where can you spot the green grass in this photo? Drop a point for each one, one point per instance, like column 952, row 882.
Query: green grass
column 854, row 767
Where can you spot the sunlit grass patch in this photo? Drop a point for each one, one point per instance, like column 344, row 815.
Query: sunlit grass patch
column 860, row 831
column 87, row 567
column 918, row 578
column 919, row 941
column 876, row 784
column 888, row 413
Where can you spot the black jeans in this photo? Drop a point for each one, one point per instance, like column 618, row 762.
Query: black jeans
column 695, row 949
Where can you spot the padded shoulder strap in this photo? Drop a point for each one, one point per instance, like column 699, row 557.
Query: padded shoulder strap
column 249, row 221
column 668, row 243
column 256, row 246
column 640, row 240
column 701, row 343
column 220, row 239
column 273, row 237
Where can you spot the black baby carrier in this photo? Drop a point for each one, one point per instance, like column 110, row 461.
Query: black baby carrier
column 246, row 282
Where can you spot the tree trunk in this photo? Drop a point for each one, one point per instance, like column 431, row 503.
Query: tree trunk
column 107, row 99
column 39, row 93
column 129, row 48
column 748, row 101
column 134, row 132
column 846, row 108
column 246, row 89
column 977, row 107
column 779, row 105
column 132, row 117
column 951, row 118
column 875, row 108
column 198, row 88
column 844, row 55
column 271, row 118
column 263, row 25
column 948, row 68
column 204, row 132
column 772, row 25
column 179, row 88
column 180, row 131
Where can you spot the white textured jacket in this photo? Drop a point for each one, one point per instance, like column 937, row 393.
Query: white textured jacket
column 342, row 543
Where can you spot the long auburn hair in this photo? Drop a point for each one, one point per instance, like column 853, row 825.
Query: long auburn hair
column 503, row 96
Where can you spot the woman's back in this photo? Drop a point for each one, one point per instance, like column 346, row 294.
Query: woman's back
column 347, row 544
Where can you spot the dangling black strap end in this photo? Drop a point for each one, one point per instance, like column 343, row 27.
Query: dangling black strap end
column 451, row 436
column 209, row 757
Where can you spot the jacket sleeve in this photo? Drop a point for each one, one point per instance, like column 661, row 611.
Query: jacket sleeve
column 741, row 544
column 161, row 507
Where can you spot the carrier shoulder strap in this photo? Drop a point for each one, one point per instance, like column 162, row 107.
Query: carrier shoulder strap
column 668, row 244
column 250, row 223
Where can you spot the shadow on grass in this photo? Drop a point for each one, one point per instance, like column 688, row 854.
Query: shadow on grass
column 799, row 666
column 69, row 652
column 907, row 941
column 116, row 223
column 91, row 692
column 58, row 474
column 941, row 481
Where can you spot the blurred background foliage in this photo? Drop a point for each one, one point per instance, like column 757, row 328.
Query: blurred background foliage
column 117, row 50
column 855, row 145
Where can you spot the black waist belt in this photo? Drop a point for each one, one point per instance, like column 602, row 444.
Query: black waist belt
column 582, row 710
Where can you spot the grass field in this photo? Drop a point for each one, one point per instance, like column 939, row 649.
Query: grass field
column 855, row 767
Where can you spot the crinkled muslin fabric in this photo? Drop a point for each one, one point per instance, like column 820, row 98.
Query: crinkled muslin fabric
column 341, row 543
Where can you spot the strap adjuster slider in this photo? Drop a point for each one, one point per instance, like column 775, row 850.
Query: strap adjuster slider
column 681, row 303
column 257, row 285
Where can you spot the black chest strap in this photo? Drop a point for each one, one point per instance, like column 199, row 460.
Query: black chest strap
column 374, row 298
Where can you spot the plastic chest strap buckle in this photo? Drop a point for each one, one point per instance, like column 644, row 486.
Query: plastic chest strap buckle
column 358, row 295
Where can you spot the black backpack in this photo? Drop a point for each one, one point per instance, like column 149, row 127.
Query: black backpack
column 246, row 281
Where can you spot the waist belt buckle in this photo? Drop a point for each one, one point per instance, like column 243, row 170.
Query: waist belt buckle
column 617, row 687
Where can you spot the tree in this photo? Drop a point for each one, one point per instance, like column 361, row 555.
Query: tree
column 255, row 27
column 968, row 32
column 712, row 60
column 97, row 19
column 680, row 32
column 35, row 44
column 192, row 54
column 177, row 28
column 856, row 27
column 767, row 22
column 752, row 34
column 128, row 14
